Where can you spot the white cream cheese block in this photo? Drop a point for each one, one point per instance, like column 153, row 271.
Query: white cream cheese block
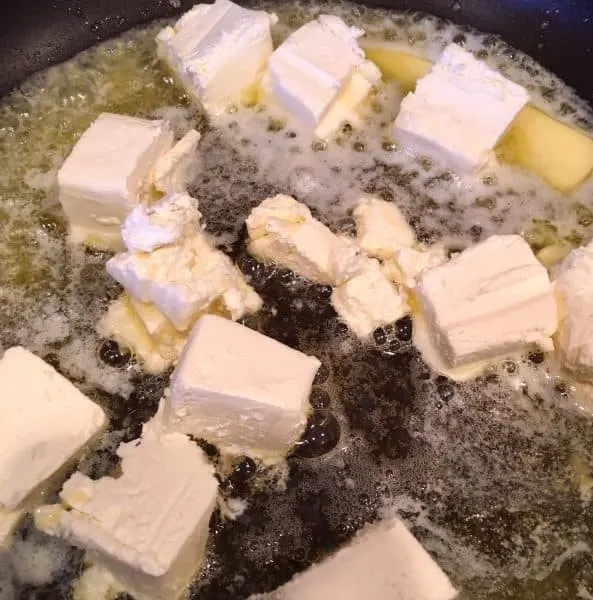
column 173, row 170
column 107, row 173
column 459, row 110
column 182, row 275
column 217, row 50
column 381, row 228
column 46, row 423
column 368, row 300
column 384, row 561
column 319, row 70
column 492, row 299
column 148, row 526
column 574, row 288
column 239, row 389
column 283, row 231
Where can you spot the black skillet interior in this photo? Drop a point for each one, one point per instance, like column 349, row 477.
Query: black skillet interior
column 560, row 36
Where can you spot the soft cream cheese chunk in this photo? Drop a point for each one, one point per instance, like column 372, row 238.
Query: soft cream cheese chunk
column 383, row 561
column 459, row 110
column 149, row 526
column 383, row 232
column 407, row 264
column 490, row 300
column 283, row 231
column 174, row 217
column 368, row 300
column 108, row 172
column 319, row 70
column 574, row 287
column 381, row 228
column 183, row 276
column 217, row 50
column 239, row 389
column 46, row 423
column 172, row 171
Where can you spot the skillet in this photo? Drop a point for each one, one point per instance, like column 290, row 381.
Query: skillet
column 557, row 34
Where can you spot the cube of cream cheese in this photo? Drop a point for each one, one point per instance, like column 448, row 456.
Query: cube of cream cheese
column 368, row 300
column 319, row 68
column 181, row 274
column 573, row 287
column 490, row 300
column 384, row 560
column 46, row 423
column 217, row 50
column 108, row 172
column 459, row 110
column 283, row 231
column 381, row 228
column 239, row 389
column 148, row 527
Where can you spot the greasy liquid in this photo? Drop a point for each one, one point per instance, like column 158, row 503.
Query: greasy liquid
column 493, row 476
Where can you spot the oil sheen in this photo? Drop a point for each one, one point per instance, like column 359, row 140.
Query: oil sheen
column 493, row 476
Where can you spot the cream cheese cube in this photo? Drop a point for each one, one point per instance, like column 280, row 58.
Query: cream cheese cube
column 381, row 228
column 182, row 275
column 240, row 390
column 573, row 289
column 383, row 561
column 108, row 172
column 283, row 231
column 46, row 423
column 490, row 300
column 149, row 526
column 163, row 223
column 172, row 171
column 217, row 50
column 319, row 67
column 368, row 300
column 459, row 110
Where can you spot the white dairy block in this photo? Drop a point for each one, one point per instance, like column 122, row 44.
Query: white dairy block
column 459, row 110
column 240, row 389
column 173, row 170
column 383, row 561
column 368, row 300
column 492, row 299
column 46, row 423
column 149, row 526
column 108, row 172
column 164, row 222
column 318, row 68
column 381, row 228
column 573, row 288
column 186, row 277
column 217, row 50
column 283, row 231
